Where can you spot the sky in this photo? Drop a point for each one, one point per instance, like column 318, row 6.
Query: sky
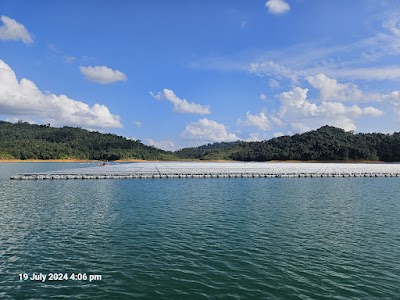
column 183, row 73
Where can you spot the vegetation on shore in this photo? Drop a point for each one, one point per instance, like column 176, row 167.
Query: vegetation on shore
column 29, row 141
column 324, row 144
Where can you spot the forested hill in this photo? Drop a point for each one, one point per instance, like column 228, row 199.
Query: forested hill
column 326, row 143
column 28, row 141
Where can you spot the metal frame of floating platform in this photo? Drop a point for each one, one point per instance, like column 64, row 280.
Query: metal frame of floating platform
column 160, row 170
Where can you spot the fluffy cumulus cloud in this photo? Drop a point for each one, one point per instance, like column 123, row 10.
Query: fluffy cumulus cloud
column 24, row 100
column 11, row 30
column 331, row 90
column 259, row 121
column 295, row 102
column 277, row 7
column 304, row 115
column 102, row 74
column 205, row 131
column 181, row 106
column 298, row 113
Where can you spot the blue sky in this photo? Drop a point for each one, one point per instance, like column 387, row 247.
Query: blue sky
column 183, row 73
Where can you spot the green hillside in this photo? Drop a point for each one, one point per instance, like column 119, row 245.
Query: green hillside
column 327, row 143
column 28, row 141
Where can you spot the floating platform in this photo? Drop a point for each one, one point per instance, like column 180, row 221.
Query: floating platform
column 160, row 170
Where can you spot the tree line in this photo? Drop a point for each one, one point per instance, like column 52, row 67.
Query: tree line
column 326, row 144
column 30, row 141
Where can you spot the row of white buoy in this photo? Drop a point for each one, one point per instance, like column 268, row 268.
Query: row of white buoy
column 200, row 175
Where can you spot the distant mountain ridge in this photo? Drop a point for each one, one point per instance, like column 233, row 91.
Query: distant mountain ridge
column 30, row 141
column 325, row 144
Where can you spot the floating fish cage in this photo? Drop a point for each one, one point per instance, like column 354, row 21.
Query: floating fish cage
column 164, row 170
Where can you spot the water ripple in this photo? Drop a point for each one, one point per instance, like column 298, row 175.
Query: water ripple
column 201, row 239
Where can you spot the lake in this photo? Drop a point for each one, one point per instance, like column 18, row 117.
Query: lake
column 198, row 238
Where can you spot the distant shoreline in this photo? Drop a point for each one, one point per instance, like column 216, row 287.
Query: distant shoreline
column 183, row 160
column 45, row 160
column 70, row 160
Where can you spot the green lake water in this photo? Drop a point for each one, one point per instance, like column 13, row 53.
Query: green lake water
column 239, row 238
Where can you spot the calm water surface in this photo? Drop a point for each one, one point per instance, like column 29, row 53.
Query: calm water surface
column 239, row 238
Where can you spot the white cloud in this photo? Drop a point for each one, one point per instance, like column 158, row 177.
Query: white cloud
column 277, row 7
column 392, row 23
column 295, row 102
column 278, row 134
column 138, row 124
column 394, row 97
column 205, row 131
column 181, row 106
column 158, row 96
column 338, row 61
column 304, row 115
column 259, row 121
column 368, row 73
column 331, row 90
column 102, row 74
column 24, row 100
column 253, row 137
column 339, row 109
column 11, row 30
column 273, row 84
column 167, row 145
column 263, row 97
column 277, row 121
column 369, row 58
column 299, row 127
column 372, row 112
column 271, row 68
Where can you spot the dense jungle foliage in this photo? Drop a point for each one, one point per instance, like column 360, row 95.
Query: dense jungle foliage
column 29, row 141
column 327, row 144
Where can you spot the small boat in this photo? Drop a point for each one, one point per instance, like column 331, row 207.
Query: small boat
column 103, row 163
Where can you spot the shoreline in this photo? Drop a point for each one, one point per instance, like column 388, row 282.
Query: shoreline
column 186, row 160
column 46, row 160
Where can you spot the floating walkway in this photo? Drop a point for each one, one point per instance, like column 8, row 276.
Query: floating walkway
column 160, row 170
